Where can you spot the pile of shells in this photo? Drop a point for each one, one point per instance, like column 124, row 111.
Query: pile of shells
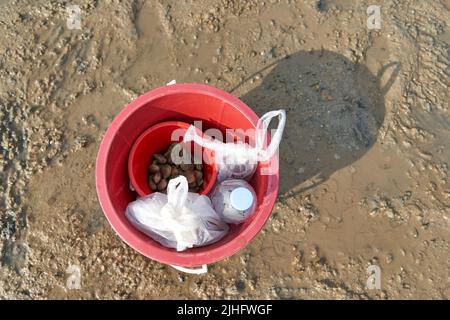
column 162, row 169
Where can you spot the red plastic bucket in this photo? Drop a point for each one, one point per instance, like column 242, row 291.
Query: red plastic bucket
column 187, row 103
column 157, row 139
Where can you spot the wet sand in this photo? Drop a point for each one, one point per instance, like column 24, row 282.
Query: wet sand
column 363, row 164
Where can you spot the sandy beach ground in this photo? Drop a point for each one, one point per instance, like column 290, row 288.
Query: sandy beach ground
column 363, row 164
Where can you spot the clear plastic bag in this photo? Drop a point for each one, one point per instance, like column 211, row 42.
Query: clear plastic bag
column 179, row 220
column 234, row 200
column 239, row 160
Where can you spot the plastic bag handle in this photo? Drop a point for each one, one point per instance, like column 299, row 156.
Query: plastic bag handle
column 261, row 133
column 203, row 269
column 177, row 191
column 191, row 134
column 260, row 139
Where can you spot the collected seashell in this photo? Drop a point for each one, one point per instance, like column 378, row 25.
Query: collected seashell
column 162, row 185
column 153, row 168
column 190, row 177
column 174, row 172
column 162, row 169
column 157, row 177
column 152, row 184
column 186, row 166
column 192, row 184
column 166, row 170
column 160, row 158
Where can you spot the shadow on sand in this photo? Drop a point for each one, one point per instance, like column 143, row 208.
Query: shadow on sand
column 334, row 107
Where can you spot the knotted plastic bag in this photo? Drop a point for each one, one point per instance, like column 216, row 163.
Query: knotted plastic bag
column 238, row 160
column 179, row 220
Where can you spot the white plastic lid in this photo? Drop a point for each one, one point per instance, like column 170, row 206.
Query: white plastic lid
column 241, row 199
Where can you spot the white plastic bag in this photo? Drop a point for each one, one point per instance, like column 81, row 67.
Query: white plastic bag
column 239, row 160
column 179, row 220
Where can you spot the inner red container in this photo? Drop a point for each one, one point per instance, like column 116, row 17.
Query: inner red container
column 187, row 103
column 157, row 139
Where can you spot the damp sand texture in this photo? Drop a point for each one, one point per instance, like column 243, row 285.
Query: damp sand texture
column 363, row 164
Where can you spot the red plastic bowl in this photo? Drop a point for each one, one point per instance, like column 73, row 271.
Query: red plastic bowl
column 180, row 102
column 157, row 139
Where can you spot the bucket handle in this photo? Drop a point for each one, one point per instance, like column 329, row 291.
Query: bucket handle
column 203, row 269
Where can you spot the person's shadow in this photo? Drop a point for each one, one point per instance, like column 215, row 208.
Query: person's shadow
column 334, row 111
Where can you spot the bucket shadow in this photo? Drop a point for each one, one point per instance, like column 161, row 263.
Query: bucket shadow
column 334, row 107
